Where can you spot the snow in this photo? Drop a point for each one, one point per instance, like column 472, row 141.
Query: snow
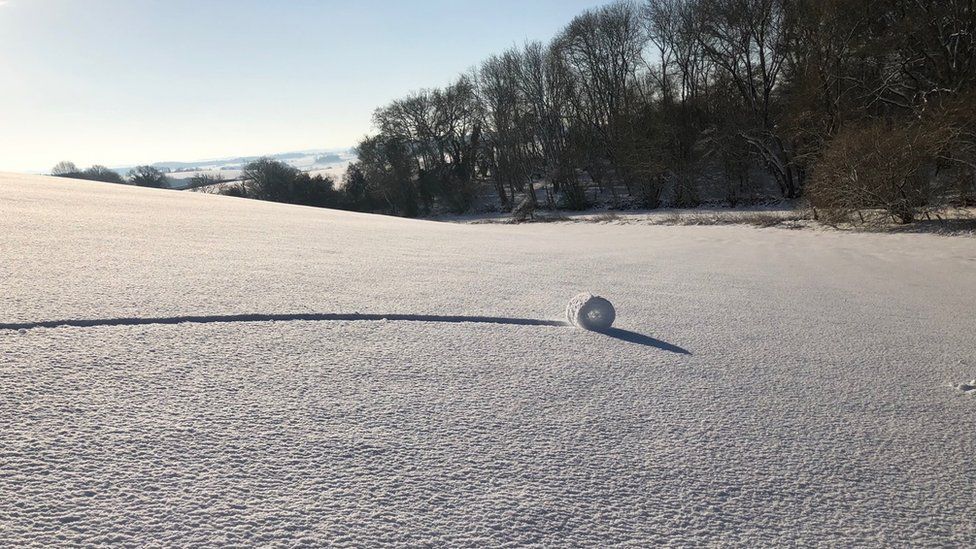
column 762, row 387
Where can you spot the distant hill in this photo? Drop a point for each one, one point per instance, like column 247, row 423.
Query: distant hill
column 304, row 160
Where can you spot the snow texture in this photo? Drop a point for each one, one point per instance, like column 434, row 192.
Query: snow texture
column 765, row 387
column 590, row 312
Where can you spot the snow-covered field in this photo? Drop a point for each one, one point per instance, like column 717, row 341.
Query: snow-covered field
column 766, row 388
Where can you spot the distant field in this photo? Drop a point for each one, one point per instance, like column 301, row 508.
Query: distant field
column 333, row 165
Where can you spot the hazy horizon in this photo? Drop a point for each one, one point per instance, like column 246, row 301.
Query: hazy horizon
column 136, row 82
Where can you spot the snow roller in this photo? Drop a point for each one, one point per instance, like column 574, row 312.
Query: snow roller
column 590, row 312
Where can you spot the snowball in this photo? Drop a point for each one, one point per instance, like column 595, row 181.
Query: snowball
column 590, row 312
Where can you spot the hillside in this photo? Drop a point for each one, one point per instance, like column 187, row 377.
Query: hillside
column 765, row 386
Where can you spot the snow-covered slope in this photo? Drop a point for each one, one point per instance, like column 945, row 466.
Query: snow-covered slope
column 767, row 387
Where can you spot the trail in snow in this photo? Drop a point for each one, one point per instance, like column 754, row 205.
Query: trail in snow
column 312, row 317
column 623, row 335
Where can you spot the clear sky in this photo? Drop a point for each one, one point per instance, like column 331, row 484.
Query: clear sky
column 121, row 82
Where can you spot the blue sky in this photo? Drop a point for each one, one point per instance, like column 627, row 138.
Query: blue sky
column 122, row 82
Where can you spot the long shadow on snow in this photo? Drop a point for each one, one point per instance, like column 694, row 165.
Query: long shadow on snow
column 641, row 339
column 623, row 335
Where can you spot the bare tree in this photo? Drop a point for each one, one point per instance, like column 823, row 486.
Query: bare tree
column 148, row 176
column 509, row 145
column 65, row 168
column 747, row 39
column 603, row 49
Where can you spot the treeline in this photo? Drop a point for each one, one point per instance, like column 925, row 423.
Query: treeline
column 857, row 106
column 262, row 179
column 275, row 181
column 142, row 176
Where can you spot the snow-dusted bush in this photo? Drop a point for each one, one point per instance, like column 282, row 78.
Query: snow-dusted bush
column 880, row 165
